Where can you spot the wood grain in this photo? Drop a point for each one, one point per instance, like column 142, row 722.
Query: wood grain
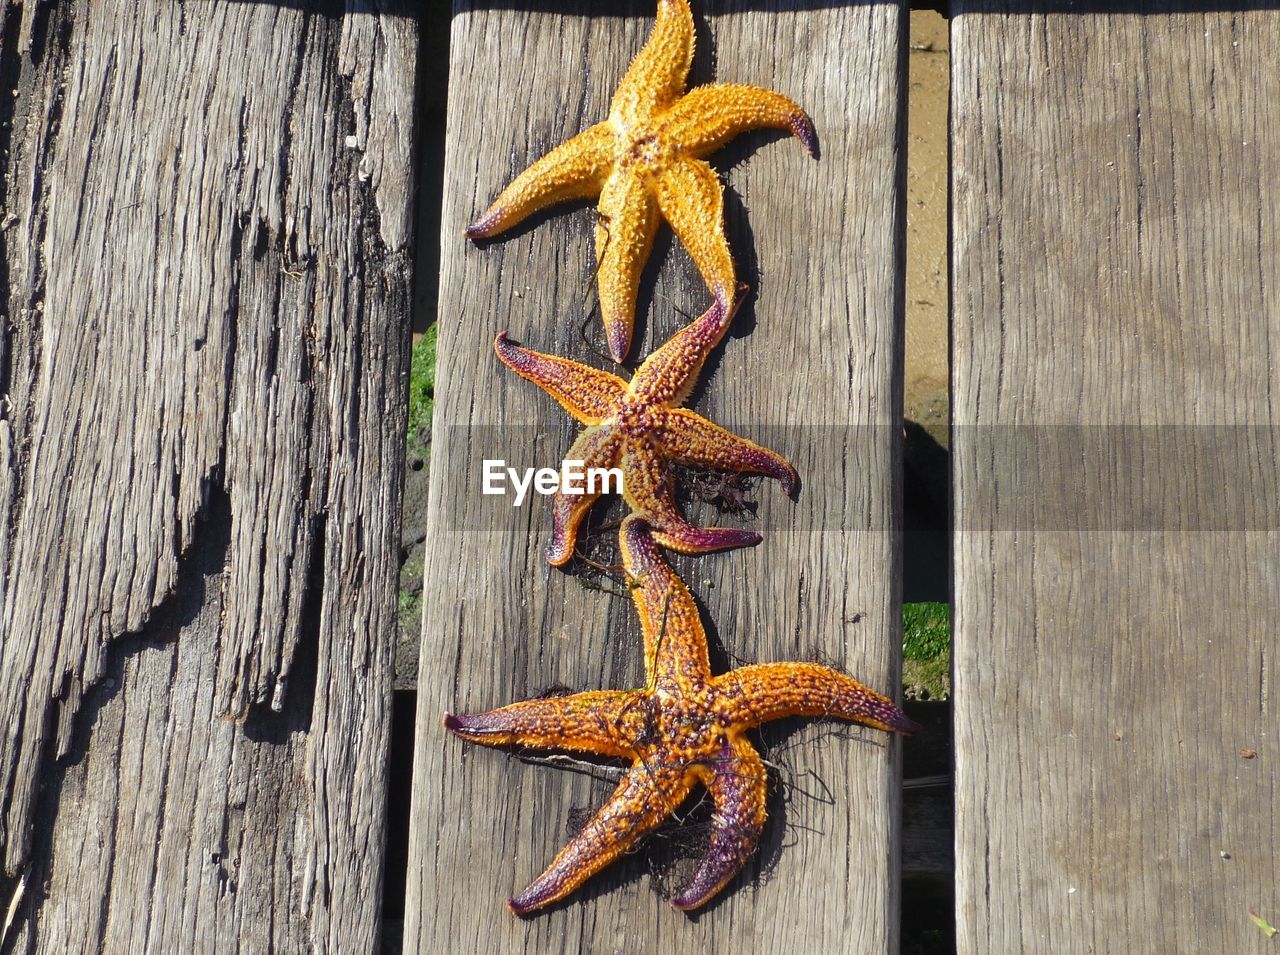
column 206, row 247
column 1116, row 244
column 813, row 368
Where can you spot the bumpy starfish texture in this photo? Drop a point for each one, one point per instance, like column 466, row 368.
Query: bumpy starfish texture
column 646, row 161
column 641, row 429
column 684, row 728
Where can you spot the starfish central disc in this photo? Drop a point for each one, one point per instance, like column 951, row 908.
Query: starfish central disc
column 640, row 428
column 645, row 162
column 685, row 728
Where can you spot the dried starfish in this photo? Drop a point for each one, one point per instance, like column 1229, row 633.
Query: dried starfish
column 641, row 428
column 645, row 161
column 684, row 728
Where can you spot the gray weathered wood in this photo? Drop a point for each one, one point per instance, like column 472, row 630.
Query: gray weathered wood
column 1117, row 246
column 206, row 283
column 821, row 347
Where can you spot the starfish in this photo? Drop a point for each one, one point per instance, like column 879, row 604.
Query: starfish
column 641, row 428
column 684, row 728
column 645, row 161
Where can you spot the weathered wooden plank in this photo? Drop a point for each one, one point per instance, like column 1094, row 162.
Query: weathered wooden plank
column 817, row 359
column 206, row 284
column 1117, row 238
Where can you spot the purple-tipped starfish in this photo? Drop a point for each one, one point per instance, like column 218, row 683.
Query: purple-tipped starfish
column 645, row 161
column 640, row 428
column 684, row 728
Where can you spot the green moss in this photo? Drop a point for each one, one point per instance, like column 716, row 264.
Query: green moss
column 410, row 604
column 422, row 391
column 926, row 679
column 926, row 650
column 926, row 630
column 422, row 387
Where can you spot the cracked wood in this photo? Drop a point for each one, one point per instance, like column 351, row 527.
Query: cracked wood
column 205, row 283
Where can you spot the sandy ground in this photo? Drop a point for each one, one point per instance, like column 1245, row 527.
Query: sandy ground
column 926, row 490
column 926, row 358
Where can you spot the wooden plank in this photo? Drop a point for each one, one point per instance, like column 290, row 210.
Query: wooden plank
column 1117, row 238
column 813, row 368
column 206, row 285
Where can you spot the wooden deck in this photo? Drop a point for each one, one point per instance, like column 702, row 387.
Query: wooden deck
column 819, row 347
column 207, row 239
column 207, row 229
column 1116, row 228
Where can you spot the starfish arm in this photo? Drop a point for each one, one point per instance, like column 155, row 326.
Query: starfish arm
column 675, row 643
column 567, row 515
column 603, row 722
column 770, row 691
column 586, row 393
column 627, row 224
column 667, row 375
column 691, row 439
column 645, row 797
column 738, row 785
column 708, row 117
column 576, row 169
column 656, row 76
column 595, row 448
column 647, row 489
column 691, row 198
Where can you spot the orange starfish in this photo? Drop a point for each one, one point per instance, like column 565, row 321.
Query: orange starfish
column 645, row 161
column 641, row 428
column 684, row 728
